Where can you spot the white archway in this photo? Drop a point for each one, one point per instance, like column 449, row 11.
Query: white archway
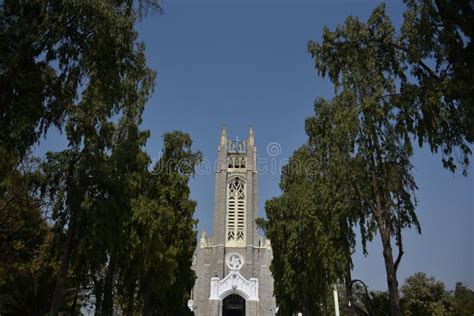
column 234, row 282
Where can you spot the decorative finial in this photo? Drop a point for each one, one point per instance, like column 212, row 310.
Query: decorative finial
column 251, row 137
column 223, row 135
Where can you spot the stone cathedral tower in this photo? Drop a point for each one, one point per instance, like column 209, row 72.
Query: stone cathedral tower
column 232, row 265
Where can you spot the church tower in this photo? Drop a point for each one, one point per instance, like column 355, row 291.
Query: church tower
column 232, row 265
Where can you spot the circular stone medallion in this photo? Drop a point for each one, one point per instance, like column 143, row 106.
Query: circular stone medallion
column 235, row 261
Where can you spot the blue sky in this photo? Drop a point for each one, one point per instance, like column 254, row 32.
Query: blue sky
column 242, row 63
column 245, row 63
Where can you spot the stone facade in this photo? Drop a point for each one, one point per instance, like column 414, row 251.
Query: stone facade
column 232, row 265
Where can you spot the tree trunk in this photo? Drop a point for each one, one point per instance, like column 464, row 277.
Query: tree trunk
column 325, row 304
column 383, row 217
column 131, row 300
column 108, row 305
column 350, row 302
column 146, row 300
column 98, row 295
column 391, row 273
column 74, row 303
column 59, row 289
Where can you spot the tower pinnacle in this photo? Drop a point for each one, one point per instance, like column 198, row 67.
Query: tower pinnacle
column 251, row 137
column 223, row 135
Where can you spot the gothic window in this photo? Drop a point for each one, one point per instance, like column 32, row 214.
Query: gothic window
column 236, row 210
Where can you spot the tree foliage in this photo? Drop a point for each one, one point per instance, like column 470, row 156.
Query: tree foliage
column 431, row 61
column 462, row 300
column 420, row 295
column 163, row 232
column 56, row 53
column 424, row 296
column 310, row 224
column 29, row 258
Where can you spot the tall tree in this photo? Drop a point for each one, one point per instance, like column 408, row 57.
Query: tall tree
column 415, row 83
column 366, row 76
column 73, row 65
column 310, row 224
column 128, row 162
column 163, row 235
column 80, row 67
column 112, row 60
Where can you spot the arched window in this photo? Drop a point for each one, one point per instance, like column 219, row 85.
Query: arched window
column 236, row 162
column 235, row 210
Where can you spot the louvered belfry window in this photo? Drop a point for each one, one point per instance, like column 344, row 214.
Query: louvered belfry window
column 236, row 210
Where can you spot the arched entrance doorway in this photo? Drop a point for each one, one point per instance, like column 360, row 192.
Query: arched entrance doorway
column 233, row 305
